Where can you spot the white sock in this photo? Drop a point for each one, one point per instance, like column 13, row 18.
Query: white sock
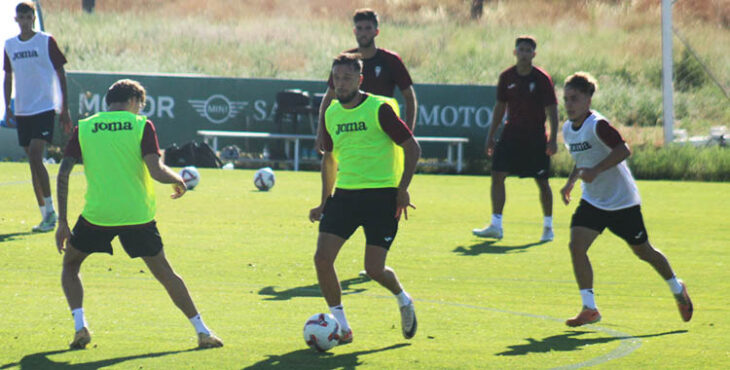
column 43, row 211
column 199, row 325
column 674, row 285
column 339, row 313
column 403, row 298
column 496, row 220
column 49, row 204
column 588, row 300
column 547, row 221
column 79, row 319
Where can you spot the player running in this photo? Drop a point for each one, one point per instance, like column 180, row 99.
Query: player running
column 121, row 156
column 527, row 94
column 610, row 197
column 369, row 160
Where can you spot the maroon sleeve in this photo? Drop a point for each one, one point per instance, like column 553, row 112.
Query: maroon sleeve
column 548, row 96
column 400, row 72
column 393, row 125
column 609, row 135
column 7, row 67
column 150, row 145
column 502, row 88
column 73, row 148
column 57, row 57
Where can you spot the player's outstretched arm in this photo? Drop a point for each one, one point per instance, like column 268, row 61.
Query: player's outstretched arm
column 163, row 174
column 63, row 233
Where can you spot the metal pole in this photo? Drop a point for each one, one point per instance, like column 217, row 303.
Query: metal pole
column 667, row 69
column 296, row 154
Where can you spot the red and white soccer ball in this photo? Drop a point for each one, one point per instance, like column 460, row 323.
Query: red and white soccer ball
column 191, row 176
column 264, row 179
column 321, row 332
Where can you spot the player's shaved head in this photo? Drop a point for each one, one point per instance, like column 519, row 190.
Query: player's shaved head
column 583, row 82
column 124, row 90
column 526, row 39
column 25, row 7
column 349, row 59
column 365, row 14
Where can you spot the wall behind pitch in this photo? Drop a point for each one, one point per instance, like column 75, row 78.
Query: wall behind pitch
column 179, row 105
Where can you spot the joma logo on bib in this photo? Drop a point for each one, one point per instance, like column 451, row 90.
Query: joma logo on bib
column 111, row 126
column 349, row 127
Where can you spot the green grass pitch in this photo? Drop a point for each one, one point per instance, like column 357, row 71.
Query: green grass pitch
column 246, row 257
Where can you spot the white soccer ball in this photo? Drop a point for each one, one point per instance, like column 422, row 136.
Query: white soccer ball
column 264, row 179
column 191, row 176
column 321, row 332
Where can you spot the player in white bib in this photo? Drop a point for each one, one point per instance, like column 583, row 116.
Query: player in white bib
column 36, row 62
column 610, row 197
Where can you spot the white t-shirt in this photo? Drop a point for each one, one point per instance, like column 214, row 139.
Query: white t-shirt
column 612, row 189
column 37, row 88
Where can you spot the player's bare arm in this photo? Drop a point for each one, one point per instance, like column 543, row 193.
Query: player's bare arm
column 329, row 95
column 552, row 114
column 617, row 155
column 409, row 95
column 565, row 191
column 163, row 174
column 497, row 116
column 65, row 117
column 329, row 173
column 411, row 153
column 63, row 233
column 8, row 92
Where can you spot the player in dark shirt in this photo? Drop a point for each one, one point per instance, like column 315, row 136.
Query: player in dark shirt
column 527, row 94
column 383, row 70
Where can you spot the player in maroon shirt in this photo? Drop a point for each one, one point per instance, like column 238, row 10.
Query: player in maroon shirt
column 527, row 94
column 383, row 70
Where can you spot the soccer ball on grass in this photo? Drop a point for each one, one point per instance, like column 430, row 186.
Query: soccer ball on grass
column 321, row 332
column 264, row 179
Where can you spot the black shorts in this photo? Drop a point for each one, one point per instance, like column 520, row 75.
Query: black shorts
column 137, row 240
column 524, row 159
column 37, row 126
column 627, row 223
column 374, row 209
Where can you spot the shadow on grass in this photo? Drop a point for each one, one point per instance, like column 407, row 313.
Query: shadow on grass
column 312, row 290
column 40, row 360
column 13, row 236
column 309, row 359
column 569, row 342
column 488, row 247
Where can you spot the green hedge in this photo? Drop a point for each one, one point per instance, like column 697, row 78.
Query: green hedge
column 675, row 162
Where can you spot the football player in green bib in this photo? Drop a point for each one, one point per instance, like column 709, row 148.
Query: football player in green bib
column 121, row 158
column 369, row 160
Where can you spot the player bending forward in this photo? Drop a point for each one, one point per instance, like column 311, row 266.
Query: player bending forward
column 610, row 197
column 121, row 157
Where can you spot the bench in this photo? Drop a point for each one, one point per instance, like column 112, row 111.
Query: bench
column 210, row 137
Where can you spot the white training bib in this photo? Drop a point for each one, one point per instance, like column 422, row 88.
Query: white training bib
column 613, row 188
column 37, row 88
